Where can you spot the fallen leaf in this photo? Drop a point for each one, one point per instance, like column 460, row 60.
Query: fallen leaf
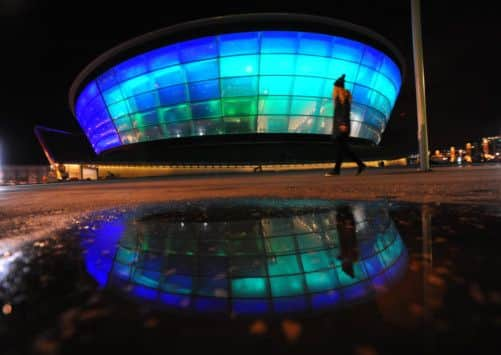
column 441, row 270
column 495, row 297
column 258, row 328
column 365, row 350
column 93, row 313
column 292, row 330
column 380, row 288
column 476, row 294
column 67, row 323
column 46, row 346
column 414, row 265
column 151, row 322
column 435, row 280
column 416, row 310
column 441, row 325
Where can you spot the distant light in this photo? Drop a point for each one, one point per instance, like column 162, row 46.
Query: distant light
column 7, row 309
column 248, row 69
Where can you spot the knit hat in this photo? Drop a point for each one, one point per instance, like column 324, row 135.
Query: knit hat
column 340, row 81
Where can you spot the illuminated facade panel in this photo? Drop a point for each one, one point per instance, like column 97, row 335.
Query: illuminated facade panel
column 238, row 83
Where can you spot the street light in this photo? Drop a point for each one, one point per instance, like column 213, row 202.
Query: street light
column 417, row 49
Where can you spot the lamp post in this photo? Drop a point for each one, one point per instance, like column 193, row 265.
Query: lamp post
column 417, row 49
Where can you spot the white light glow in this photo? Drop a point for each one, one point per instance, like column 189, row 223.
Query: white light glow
column 6, row 259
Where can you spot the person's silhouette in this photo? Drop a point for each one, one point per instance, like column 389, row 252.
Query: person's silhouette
column 345, row 225
column 341, row 127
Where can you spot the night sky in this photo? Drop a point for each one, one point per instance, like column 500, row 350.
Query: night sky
column 45, row 44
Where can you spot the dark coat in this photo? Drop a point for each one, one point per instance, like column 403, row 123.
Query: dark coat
column 341, row 116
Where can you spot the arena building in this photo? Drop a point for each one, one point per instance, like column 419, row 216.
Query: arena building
column 239, row 88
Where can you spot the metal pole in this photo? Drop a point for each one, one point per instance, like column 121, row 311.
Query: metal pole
column 426, row 224
column 417, row 49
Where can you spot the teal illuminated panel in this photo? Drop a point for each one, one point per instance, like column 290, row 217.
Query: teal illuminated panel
column 314, row 261
column 241, row 86
column 249, row 287
column 287, row 285
column 276, row 79
column 281, row 245
column 283, row 265
column 237, row 66
column 322, row 281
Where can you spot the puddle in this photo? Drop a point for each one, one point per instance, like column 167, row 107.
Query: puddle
column 249, row 256
column 271, row 275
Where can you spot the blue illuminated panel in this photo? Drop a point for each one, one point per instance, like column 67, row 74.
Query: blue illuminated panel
column 270, row 81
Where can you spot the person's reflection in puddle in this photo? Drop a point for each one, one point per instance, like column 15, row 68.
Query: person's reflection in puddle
column 346, row 229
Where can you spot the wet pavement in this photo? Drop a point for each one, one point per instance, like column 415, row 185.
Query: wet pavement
column 259, row 274
column 32, row 211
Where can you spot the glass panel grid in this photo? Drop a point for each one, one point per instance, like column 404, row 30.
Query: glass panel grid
column 273, row 70
column 276, row 268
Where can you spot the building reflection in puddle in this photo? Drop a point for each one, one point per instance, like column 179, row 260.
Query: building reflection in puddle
column 272, row 257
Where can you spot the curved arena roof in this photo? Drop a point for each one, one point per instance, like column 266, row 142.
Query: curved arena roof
column 243, row 74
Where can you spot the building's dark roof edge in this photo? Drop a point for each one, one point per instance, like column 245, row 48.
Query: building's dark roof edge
column 252, row 21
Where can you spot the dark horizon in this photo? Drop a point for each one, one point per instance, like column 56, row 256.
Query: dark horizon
column 47, row 45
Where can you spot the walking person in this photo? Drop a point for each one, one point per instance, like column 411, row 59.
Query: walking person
column 348, row 245
column 341, row 127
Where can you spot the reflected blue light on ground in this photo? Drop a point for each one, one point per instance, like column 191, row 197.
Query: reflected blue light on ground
column 100, row 252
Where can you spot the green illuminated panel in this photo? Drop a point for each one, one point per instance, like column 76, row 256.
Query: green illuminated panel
column 239, row 106
column 175, row 114
column 235, row 124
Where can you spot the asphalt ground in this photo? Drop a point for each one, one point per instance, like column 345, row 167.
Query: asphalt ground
column 31, row 211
